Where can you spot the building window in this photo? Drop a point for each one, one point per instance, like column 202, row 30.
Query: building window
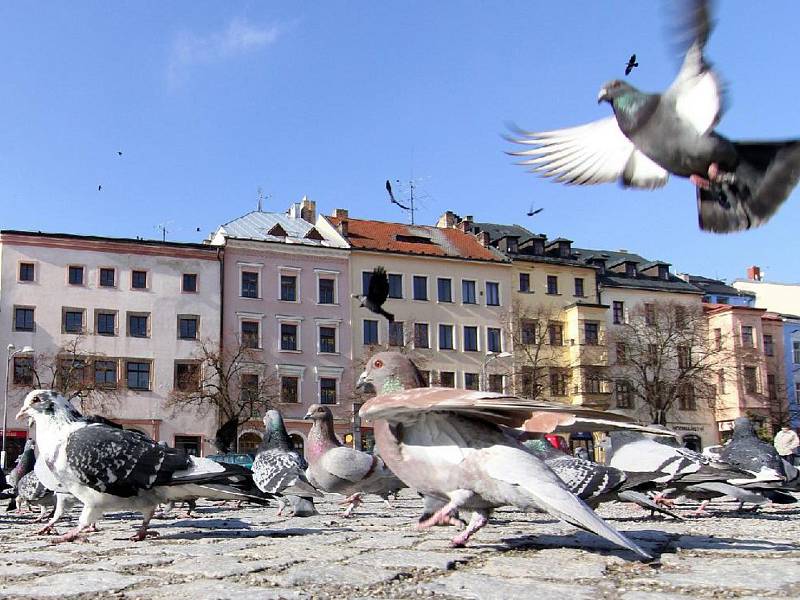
column 138, row 325
column 593, row 383
column 555, row 333
column 370, row 332
column 630, row 269
column 619, row 312
column 772, row 390
column 327, row 340
column 396, row 333
column 680, row 317
column 187, row 377
column 421, row 335
column 250, row 331
column 289, row 389
column 686, row 398
column 470, row 338
column 558, row 382
column 468, row 292
column 684, row 356
column 108, row 277
column 420, row 287
column 649, row 314
column 622, row 355
column 527, row 329
column 623, row 394
column 524, row 282
column 552, row 284
column 106, row 323
column 591, row 333
column 471, row 381
column 189, row 282
column 73, row 320
column 747, row 336
column 366, row 277
column 492, row 293
column 289, row 288
column 75, row 275
column 139, row 280
column 651, row 356
column 529, row 378
column 23, row 319
column 327, row 390
column 395, row 285
column 248, row 391
column 327, row 288
column 769, row 345
column 23, row 370
column 796, row 352
column 190, row 444
column 289, row 336
column 187, row 327
column 496, row 383
column 444, row 289
column 494, row 340
column 249, row 284
column 71, row 372
column 447, row 379
column 579, row 287
column 718, row 339
column 26, row 271
column 721, row 381
column 105, row 373
column 446, row 337
column 138, row 375
column 751, row 380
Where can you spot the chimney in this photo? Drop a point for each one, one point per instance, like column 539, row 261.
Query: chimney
column 754, row 273
column 483, row 238
column 340, row 213
column 448, row 220
column 308, row 210
column 465, row 224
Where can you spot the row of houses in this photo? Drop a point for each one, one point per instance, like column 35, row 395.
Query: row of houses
column 479, row 305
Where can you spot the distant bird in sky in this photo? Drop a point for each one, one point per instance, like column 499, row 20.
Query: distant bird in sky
column 532, row 212
column 392, row 198
column 377, row 293
column 631, row 64
column 739, row 185
column 119, row 152
column 99, row 187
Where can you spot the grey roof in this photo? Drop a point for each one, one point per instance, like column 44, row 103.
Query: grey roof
column 497, row 231
column 256, row 225
column 716, row 286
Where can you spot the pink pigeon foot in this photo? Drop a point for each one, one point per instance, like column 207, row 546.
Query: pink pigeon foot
column 477, row 522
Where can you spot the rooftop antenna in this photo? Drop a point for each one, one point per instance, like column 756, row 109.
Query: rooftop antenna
column 162, row 227
column 410, row 203
column 259, row 207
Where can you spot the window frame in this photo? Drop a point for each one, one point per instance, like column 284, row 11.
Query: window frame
column 101, row 271
column 139, row 361
column 364, row 332
column 327, row 275
column 105, row 384
column 15, row 321
column 289, row 322
column 140, row 288
column 138, row 314
column 187, row 318
column 465, row 338
column 552, row 285
column 196, row 289
column 73, row 310
column 579, row 283
column 439, row 337
column 499, row 337
column 250, row 268
column 100, row 312
column 391, row 338
column 25, row 263
column 394, row 277
column 416, row 279
column 292, row 275
column 175, row 376
column 427, row 341
column 82, row 268
column 465, row 286
column 495, row 295
column 335, row 328
column 526, row 289
column 439, row 282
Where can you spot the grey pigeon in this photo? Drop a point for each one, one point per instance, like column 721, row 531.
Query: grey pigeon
column 746, row 451
column 279, row 469
column 338, row 469
column 451, row 444
column 32, row 492
column 377, row 293
column 739, row 184
column 110, row 469
column 24, row 464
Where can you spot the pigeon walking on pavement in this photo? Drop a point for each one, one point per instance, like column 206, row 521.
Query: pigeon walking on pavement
column 110, row 469
column 650, row 136
column 279, row 469
column 451, row 444
column 338, row 469
column 377, row 293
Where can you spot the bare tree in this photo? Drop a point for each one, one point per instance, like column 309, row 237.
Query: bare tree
column 230, row 382
column 665, row 356
column 75, row 373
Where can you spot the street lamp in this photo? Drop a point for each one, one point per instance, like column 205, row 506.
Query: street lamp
column 490, row 356
column 11, row 354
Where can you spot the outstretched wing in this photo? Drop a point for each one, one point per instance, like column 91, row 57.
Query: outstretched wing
column 378, row 286
column 120, row 462
column 597, row 152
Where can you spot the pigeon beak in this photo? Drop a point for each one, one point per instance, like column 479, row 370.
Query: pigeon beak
column 364, row 384
column 307, row 417
column 602, row 95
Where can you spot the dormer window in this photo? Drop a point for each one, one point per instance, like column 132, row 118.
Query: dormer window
column 538, row 247
column 600, row 264
column 630, row 269
column 564, row 249
column 663, row 272
column 512, row 245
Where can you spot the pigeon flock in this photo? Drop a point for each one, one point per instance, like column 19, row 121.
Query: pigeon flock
column 739, row 185
column 462, row 451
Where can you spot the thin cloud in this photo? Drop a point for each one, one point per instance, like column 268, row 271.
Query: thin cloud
column 237, row 39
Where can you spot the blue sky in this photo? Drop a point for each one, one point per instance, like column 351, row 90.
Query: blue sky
column 208, row 101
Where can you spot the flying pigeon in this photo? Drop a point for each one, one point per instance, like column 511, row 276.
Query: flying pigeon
column 279, row 469
column 338, row 469
column 99, row 188
column 631, row 64
column 450, row 444
column 111, row 469
column 377, row 293
column 739, row 184
column 532, row 212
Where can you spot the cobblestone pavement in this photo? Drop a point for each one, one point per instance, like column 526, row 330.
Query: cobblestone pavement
column 252, row 554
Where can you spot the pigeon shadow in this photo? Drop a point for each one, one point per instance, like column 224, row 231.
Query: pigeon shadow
column 235, row 528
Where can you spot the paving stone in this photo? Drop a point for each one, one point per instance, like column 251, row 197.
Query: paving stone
column 125, row 563
column 483, row 587
column 67, row 585
column 19, row 569
column 221, row 566
column 654, row 596
column 53, row 557
column 415, row 559
column 315, row 573
column 719, row 544
column 740, row 573
column 549, row 564
column 214, row 590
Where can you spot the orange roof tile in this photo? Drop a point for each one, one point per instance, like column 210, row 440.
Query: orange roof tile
column 422, row 240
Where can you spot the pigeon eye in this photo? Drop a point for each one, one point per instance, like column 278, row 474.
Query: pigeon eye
column 378, row 363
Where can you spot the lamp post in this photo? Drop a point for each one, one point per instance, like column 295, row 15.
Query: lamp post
column 490, row 356
column 11, row 354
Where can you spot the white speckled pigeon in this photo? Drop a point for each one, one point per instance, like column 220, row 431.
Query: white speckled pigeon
column 739, row 184
column 279, row 469
column 338, row 469
column 111, row 469
column 451, row 444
